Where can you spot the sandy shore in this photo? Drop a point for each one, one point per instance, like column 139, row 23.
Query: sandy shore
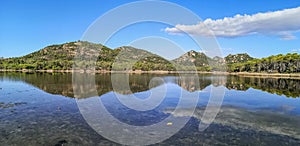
column 246, row 74
column 268, row 75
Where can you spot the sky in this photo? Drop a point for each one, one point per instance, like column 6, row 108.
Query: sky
column 259, row 28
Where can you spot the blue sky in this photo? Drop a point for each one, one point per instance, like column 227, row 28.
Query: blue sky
column 27, row 26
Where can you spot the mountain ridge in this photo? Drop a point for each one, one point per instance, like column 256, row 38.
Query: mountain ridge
column 61, row 57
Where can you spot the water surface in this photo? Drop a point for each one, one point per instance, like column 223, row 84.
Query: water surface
column 40, row 109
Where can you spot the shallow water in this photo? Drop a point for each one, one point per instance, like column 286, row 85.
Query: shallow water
column 40, row 109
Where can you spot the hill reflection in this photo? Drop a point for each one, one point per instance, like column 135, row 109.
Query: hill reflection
column 62, row 83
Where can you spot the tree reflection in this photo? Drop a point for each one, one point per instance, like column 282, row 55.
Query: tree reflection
column 62, row 83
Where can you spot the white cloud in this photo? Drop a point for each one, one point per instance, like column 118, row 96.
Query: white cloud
column 282, row 23
column 295, row 50
column 287, row 36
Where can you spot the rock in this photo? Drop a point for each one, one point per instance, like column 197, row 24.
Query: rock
column 61, row 143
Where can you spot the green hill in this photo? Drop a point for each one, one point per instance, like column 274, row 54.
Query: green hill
column 130, row 58
column 56, row 57
column 193, row 58
column 63, row 56
column 75, row 54
column 289, row 63
column 238, row 58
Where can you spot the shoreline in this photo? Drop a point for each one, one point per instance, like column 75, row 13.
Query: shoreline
column 268, row 75
column 245, row 74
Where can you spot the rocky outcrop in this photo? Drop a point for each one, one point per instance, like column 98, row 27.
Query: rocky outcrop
column 193, row 58
column 238, row 58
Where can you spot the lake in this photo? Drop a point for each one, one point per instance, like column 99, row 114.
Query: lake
column 49, row 108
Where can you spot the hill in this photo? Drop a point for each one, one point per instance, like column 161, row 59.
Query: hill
column 238, row 58
column 205, row 63
column 64, row 56
column 193, row 58
column 130, row 58
column 54, row 57
column 289, row 63
column 74, row 54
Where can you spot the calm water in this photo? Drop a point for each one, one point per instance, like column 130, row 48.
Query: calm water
column 40, row 109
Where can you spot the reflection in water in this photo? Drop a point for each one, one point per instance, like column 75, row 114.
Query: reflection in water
column 188, row 83
column 61, row 83
column 242, row 119
column 279, row 86
column 32, row 117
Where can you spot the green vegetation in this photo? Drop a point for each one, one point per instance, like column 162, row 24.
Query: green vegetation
column 289, row 63
column 238, row 58
column 85, row 55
